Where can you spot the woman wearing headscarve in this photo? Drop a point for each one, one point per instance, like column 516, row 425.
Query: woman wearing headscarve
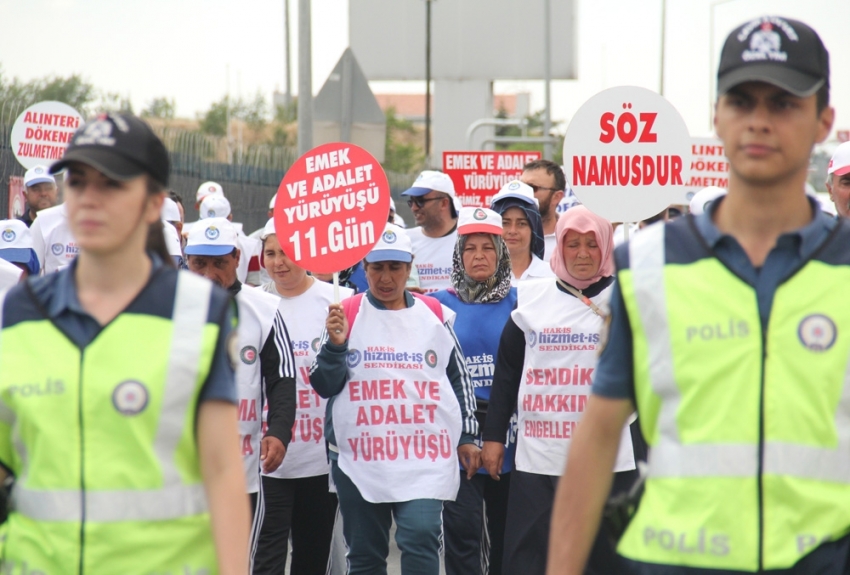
column 544, row 370
column 522, row 231
column 482, row 298
column 400, row 413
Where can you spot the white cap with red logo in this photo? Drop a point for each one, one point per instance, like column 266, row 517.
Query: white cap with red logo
column 208, row 189
column 840, row 162
column 478, row 221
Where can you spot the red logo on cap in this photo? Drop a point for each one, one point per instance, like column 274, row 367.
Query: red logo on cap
column 212, row 188
column 830, row 164
column 766, row 26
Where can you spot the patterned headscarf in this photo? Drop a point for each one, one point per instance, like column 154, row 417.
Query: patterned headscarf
column 494, row 288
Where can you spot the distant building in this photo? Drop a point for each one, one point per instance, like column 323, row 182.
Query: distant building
column 412, row 106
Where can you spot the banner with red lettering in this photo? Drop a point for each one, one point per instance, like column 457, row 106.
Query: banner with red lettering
column 332, row 207
column 709, row 167
column 626, row 154
column 42, row 132
column 477, row 176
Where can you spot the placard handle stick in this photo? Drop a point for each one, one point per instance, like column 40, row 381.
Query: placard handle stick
column 626, row 226
column 336, row 287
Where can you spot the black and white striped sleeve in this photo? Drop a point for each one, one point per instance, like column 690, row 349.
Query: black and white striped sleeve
column 461, row 381
column 278, row 367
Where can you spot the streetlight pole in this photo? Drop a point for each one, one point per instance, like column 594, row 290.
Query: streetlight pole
column 663, row 38
column 286, row 55
column 305, row 81
column 547, row 80
column 428, row 83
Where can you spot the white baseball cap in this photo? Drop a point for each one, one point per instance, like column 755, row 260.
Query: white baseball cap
column 431, row 180
column 214, row 206
column 211, row 237
column 478, row 221
column 518, row 190
column 840, row 162
column 704, row 197
column 172, row 240
column 170, row 212
column 393, row 246
column 208, row 189
column 271, row 202
column 38, row 175
column 268, row 229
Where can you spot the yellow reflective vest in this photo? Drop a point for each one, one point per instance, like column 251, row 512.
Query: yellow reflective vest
column 102, row 441
column 748, row 428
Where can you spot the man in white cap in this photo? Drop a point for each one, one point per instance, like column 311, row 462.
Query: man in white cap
column 431, row 199
column 204, row 190
column 207, row 189
column 547, row 180
column 41, row 193
column 265, row 373
column 248, row 271
column 838, row 179
column 52, row 240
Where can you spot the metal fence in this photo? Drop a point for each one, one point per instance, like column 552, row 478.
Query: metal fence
column 250, row 175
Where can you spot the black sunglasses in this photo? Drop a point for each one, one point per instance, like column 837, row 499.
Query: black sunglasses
column 420, row 201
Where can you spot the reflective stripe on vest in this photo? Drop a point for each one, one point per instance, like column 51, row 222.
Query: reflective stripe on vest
column 174, row 500
column 671, row 458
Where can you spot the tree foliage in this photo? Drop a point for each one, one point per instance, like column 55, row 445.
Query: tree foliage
column 163, row 108
column 402, row 154
column 254, row 113
column 73, row 90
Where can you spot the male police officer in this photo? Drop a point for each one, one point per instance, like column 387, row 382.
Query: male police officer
column 729, row 335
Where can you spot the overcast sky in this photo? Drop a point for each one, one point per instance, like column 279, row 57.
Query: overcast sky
column 182, row 49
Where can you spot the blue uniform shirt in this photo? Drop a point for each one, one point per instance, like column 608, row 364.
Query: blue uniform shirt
column 615, row 372
column 478, row 327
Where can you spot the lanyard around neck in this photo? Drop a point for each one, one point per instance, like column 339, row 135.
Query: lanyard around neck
column 582, row 298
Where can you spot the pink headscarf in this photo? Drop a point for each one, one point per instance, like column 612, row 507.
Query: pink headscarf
column 582, row 220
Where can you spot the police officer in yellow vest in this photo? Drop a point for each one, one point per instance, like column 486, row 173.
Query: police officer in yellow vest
column 731, row 336
column 117, row 399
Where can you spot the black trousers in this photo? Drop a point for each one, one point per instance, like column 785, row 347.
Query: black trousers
column 304, row 508
column 527, row 529
column 466, row 532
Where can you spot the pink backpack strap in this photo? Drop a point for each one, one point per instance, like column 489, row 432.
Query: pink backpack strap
column 351, row 307
column 433, row 304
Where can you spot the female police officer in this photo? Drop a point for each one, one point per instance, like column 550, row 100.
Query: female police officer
column 123, row 444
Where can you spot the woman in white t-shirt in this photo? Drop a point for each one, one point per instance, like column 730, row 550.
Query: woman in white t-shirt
column 297, row 498
column 544, row 369
column 522, row 231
